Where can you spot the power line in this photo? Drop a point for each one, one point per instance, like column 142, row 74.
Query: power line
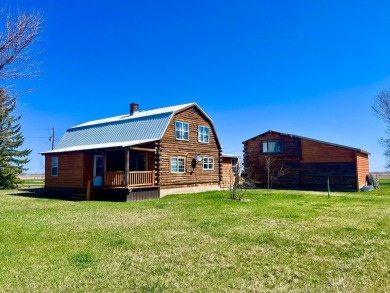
column 37, row 129
column 233, row 151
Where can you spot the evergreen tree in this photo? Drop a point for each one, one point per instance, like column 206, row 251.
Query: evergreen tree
column 12, row 159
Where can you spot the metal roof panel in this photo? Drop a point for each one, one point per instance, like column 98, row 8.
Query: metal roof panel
column 137, row 129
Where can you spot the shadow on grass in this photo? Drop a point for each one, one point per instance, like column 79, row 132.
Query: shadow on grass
column 39, row 193
column 69, row 196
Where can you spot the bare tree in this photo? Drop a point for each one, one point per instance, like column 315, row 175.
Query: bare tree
column 18, row 36
column 239, row 185
column 235, row 191
column 274, row 171
column 381, row 108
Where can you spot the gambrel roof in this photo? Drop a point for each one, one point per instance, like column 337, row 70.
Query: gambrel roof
column 121, row 131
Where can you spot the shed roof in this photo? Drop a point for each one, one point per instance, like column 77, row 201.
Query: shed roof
column 120, row 131
column 231, row 156
column 302, row 137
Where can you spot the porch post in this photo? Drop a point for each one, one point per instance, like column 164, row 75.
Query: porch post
column 127, row 159
column 104, row 168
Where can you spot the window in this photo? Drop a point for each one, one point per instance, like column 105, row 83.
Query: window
column 208, row 163
column 234, row 166
column 203, row 133
column 177, row 165
column 137, row 163
column 54, row 166
column 181, row 130
column 275, row 146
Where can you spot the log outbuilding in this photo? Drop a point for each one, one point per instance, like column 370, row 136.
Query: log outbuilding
column 305, row 163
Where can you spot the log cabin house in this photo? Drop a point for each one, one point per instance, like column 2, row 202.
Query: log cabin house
column 140, row 155
column 306, row 163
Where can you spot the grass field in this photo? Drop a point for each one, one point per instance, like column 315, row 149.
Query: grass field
column 287, row 241
column 32, row 183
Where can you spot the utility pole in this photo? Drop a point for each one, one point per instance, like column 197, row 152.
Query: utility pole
column 52, row 138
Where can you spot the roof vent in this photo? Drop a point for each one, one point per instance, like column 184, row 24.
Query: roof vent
column 133, row 108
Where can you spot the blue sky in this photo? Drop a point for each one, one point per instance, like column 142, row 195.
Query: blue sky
column 309, row 68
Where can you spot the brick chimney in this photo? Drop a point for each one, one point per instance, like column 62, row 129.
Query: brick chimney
column 133, row 108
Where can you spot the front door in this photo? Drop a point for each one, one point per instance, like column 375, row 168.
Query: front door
column 97, row 170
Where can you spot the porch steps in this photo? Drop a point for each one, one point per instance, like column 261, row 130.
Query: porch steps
column 80, row 195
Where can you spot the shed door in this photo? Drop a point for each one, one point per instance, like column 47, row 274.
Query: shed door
column 97, row 170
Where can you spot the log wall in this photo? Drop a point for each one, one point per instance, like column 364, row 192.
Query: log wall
column 308, row 164
column 170, row 147
column 256, row 167
column 228, row 177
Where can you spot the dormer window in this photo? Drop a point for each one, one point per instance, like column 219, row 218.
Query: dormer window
column 182, row 130
column 273, row 146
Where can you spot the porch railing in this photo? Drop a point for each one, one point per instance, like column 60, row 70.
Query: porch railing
column 114, row 179
column 135, row 179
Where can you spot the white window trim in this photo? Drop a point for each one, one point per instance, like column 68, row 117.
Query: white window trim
column 208, row 135
column 207, row 169
column 183, row 131
column 170, row 165
column 53, row 166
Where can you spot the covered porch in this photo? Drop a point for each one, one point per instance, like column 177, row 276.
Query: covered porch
column 129, row 167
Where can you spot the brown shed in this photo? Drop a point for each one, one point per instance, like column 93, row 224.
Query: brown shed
column 230, row 168
column 308, row 163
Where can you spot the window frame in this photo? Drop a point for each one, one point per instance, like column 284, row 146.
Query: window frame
column 54, row 166
column 177, row 160
column 208, row 163
column 273, row 152
column 182, row 131
column 234, row 166
column 201, row 135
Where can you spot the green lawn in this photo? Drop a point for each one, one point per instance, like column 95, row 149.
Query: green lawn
column 286, row 241
column 32, row 183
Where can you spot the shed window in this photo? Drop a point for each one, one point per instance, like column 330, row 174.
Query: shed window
column 181, row 130
column 54, row 166
column 275, row 146
column 208, row 163
column 177, row 165
column 234, row 166
column 203, row 134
